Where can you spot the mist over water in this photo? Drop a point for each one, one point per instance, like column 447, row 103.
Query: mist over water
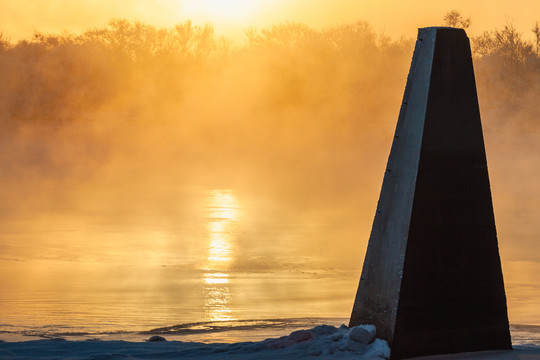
column 153, row 177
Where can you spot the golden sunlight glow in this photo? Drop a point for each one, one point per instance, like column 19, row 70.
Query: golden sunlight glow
column 216, row 278
column 232, row 17
column 220, row 246
column 223, row 10
column 199, row 152
column 217, row 303
column 223, row 212
column 224, row 206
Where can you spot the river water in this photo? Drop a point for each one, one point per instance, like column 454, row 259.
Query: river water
column 67, row 272
column 220, row 266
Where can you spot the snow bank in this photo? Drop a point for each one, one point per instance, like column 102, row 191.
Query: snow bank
column 323, row 341
column 320, row 342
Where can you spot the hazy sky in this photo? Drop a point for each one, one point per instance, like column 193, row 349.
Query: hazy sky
column 230, row 17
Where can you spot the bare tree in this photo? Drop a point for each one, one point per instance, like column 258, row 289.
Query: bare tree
column 536, row 31
column 507, row 44
column 454, row 18
column 4, row 42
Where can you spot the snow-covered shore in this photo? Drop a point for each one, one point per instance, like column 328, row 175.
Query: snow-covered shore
column 322, row 342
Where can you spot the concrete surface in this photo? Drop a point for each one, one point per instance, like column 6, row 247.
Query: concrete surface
column 432, row 280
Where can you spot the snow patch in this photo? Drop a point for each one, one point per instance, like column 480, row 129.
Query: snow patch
column 324, row 341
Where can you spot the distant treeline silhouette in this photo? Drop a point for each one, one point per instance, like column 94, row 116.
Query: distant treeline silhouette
column 128, row 65
column 131, row 64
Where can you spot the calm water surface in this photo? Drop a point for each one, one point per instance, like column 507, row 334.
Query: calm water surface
column 216, row 263
column 216, row 256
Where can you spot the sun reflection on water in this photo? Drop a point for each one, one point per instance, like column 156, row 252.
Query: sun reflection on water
column 219, row 250
column 216, row 278
column 217, row 301
column 223, row 214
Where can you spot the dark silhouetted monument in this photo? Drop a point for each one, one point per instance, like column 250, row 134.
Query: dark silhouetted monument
column 432, row 280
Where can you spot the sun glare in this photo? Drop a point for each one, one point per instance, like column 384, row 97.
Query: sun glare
column 224, row 10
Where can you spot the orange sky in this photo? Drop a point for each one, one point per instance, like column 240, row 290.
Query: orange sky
column 230, row 17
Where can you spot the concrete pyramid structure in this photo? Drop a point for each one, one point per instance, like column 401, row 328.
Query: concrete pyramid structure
column 432, row 280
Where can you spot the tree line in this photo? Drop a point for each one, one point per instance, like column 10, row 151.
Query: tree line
column 127, row 65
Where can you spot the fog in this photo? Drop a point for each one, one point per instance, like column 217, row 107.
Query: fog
column 124, row 130
column 136, row 115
